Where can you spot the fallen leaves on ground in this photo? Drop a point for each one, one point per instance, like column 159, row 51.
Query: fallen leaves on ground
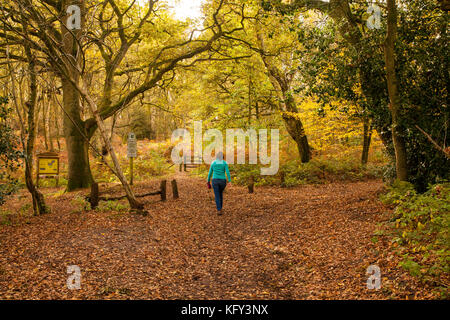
column 311, row 242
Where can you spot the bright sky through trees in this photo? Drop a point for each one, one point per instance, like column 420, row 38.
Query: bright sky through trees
column 184, row 9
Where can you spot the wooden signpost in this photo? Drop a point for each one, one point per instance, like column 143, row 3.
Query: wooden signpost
column 131, row 152
column 47, row 165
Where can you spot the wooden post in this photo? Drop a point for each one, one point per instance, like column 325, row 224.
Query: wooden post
column 57, row 175
column 37, row 173
column 251, row 184
column 94, row 196
column 163, row 190
column 131, row 171
column 282, row 177
column 175, row 189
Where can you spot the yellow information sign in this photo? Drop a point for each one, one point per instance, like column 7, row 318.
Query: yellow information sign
column 48, row 166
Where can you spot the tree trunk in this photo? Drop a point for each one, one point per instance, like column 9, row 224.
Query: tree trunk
column 44, row 122
column 75, row 133
column 366, row 141
column 51, row 132
column 394, row 105
column 249, row 100
column 79, row 172
column 39, row 206
column 295, row 128
column 257, row 110
column 57, row 119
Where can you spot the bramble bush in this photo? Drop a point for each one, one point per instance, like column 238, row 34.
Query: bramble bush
column 420, row 230
column 317, row 171
column 80, row 204
column 112, row 206
column 322, row 170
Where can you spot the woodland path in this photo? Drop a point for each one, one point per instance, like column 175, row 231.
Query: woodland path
column 310, row 242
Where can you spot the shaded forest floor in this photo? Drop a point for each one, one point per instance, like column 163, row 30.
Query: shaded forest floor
column 311, row 242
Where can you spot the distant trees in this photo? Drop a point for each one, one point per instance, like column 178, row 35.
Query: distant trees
column 384, row 71
column 253, row 63
column 282, row 78
column 120, row 52
column 276, row 46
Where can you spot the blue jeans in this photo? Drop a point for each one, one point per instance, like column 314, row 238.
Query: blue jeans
column 219, row 186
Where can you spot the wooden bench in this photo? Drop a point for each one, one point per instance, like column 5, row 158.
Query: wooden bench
column 194, row 164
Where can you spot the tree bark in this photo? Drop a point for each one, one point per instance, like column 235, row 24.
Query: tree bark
column 57, row 119
column 394, row 104
column 51, row 131
column 295, row 128
column 366, row 142
column 39, row 206
column 79, row 172
column 44, row 122
column 75, row 133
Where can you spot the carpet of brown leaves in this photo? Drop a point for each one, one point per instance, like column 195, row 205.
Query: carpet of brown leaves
column 311, row 242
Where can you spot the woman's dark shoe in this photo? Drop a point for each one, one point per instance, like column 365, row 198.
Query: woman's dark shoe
column 220, row 212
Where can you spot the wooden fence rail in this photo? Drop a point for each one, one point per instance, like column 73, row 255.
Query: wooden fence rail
column 94, row 198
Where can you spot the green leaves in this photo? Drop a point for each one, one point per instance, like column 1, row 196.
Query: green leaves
column 422, row 227
column 9, row 153
column 412, row 266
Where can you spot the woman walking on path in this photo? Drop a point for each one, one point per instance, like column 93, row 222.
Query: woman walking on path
column 217, row 171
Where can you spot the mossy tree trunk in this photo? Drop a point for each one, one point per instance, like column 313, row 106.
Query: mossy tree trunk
column 394, row 101
column 39, row 206
column 75, row 133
